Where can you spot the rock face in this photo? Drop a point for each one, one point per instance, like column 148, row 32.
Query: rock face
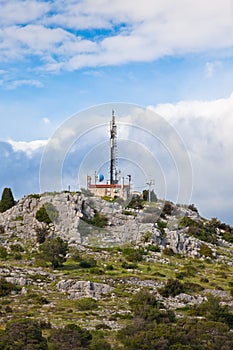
column 21, row 220
column 19, row 224
column 83, row 289
column 182, row 243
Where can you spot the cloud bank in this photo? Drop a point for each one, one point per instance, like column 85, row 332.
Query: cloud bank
column 60, row 35
column 206, row 129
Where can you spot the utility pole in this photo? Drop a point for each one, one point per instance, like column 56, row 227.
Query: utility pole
column 129, row 178
column 150, row 183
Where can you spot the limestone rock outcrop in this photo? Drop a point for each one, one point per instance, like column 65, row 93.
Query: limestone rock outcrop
column 83, row 289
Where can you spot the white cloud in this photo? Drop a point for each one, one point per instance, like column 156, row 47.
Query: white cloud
column 211, row 67
column 206, row 128
column 132, row 31
column 28, row 147
column 24, row 82
column 46, row 120
column 19, row 12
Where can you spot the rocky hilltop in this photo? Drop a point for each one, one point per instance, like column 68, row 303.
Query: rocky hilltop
column 114, row 250
column 132, row 225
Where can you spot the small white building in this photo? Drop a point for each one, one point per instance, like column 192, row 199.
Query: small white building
column 110, row 190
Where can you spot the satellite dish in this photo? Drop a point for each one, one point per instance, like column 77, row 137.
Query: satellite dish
column 100, row 177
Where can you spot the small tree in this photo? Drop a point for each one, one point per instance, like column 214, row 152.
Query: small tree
column 54, row 250
column 41, row 234
column 7, row 200
column 145, row 195
column 135, row 203
column 167, row 209
column 47, row 213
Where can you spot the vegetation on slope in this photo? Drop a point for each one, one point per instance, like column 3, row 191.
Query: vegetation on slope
column 158, row 300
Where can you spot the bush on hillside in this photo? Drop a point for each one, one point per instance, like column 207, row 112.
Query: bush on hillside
column 206, row 251
column 7, row 287
column 47, row 213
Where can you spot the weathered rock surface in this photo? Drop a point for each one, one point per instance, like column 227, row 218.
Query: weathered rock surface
column 26, row 276
column 83, row 289
column 20, row 224
column 180, row 242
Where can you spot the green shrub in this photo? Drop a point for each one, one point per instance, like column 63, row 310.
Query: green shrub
column 147, row 236
column 186, row 221
column 109, row 267
column 168, row 251
column 204, row 280
column 96, row 271
column 145, row 305
column 86, row 304
column 108, row 198
column 17, row 248
column 71, row 337
column 127, row 212
column 228, row 236
column 172, row 288
column 214, row 311
column 133, row 255
column 190, row 287
column 181, row 275
column 186, row 334
column 99, row 220
column 87, row 263
column 7, row 287
column 206, row 251
column 128, row 266
column 167, row 209
column 41, row 234
column 99, row 344
column 3, row 252
column 161, row 226
column 153, row 248
column 38, row 299
column 76, row 256
column 23, row 334
column 193, row 208
column 35, row 195
column 135, row 203
column 47, row 213
column 191, row 271
column 19, row 218
column 17, row 256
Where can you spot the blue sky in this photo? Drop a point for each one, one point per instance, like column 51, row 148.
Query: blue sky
column 60, row 57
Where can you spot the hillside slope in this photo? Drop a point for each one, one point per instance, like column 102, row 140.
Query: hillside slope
column 113, row 253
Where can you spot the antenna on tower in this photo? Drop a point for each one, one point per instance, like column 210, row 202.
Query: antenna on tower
column 113, row 147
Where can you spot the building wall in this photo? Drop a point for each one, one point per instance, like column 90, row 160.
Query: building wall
column 111, row 191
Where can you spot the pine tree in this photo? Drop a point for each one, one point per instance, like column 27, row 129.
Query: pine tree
column 7, row 200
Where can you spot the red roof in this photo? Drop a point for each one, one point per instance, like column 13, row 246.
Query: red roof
column 107, row 186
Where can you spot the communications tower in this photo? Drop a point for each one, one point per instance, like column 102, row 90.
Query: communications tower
column 113, row 151
column 115, row 186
